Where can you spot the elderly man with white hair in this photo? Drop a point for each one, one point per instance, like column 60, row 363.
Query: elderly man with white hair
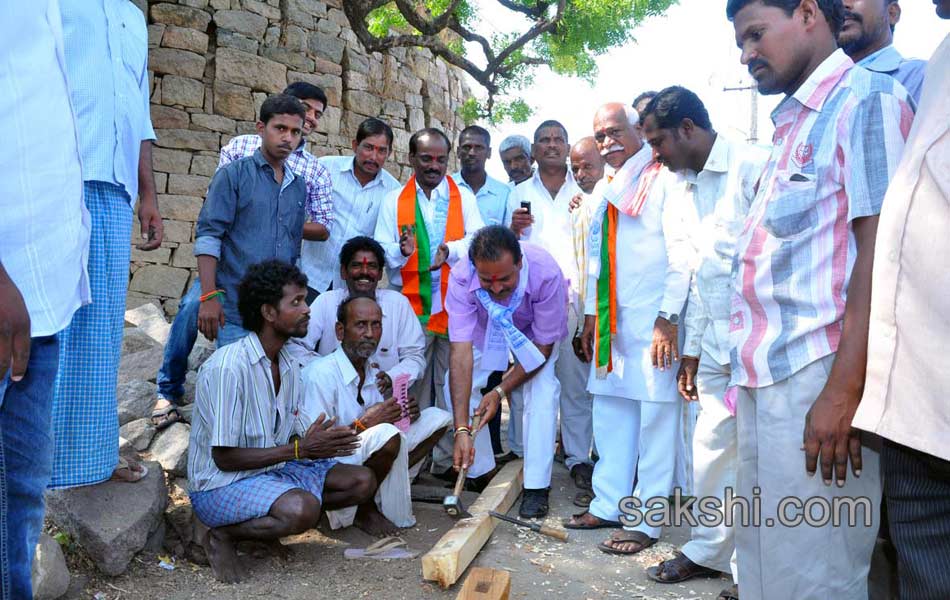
column 515, row 152
column 633, row 304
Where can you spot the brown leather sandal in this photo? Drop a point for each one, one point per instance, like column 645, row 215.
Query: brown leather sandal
column 678, row 569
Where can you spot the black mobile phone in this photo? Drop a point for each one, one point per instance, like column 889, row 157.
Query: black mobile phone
column 526, row 205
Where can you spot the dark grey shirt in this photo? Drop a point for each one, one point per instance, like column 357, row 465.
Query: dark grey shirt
column 248, row 218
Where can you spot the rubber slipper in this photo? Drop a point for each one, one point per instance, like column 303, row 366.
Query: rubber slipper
column 583, row 498
column 678, row 569
column 626, row 537
column 134, row 475
column 601, row 523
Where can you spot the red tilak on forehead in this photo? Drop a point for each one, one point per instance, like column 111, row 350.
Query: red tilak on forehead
column 365, row 262
column 493, row 278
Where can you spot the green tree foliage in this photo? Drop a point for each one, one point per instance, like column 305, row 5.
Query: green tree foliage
column 565, row 35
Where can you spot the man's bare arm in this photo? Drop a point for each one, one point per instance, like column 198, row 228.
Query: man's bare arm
column 315, row 232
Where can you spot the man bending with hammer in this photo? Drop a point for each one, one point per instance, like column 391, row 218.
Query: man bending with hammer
column 508, row 297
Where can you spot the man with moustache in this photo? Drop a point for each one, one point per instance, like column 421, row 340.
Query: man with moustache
column 507, row 297
column 903, row 400
column 548, row 225
column 867, row 36
column 255, row 472
column 515, row 153
column 360, row 184
column 348, row 387
column 425, row 228
column 721, row 176
column 184, row 329
column 802, row 292
column 633, row 304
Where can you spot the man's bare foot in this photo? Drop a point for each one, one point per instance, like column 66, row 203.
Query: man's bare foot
column 221, row 556
column 129, row 471
column 369, row 519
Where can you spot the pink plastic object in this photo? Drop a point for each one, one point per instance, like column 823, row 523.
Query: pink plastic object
column 401, row 394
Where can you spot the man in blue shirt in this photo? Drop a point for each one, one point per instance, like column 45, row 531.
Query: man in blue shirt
column 254, row 212
column 106, row 53
column 868, row 38
column 474, row 150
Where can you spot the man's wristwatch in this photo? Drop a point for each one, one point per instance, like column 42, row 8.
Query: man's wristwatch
column 501, row 393
column 673, row 318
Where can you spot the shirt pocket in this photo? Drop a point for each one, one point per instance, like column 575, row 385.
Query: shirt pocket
column 134, row 42
column 791, row 212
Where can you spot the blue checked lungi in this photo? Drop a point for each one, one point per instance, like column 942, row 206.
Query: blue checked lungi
column 85, row 409
column 252, row 497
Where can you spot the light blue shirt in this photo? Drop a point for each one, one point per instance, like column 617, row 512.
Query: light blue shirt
column 492, row 199
column 355, row 208
column 44, row 227
column 106, row 61
column 910, row 72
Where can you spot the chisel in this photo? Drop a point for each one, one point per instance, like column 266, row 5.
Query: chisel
column 558, row 534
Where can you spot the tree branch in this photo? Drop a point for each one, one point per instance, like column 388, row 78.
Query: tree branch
column 426, row 26
column 535, row 13
column 536, row 30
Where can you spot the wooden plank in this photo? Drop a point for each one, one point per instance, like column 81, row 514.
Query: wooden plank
column 486, row 584
column 452, row 554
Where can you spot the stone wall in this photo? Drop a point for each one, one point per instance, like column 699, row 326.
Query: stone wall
column 213, row 62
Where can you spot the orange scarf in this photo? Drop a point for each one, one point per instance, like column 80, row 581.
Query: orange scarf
column 416, row 277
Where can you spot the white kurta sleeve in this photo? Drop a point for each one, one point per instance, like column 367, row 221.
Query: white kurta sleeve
column 387, row 233
column 678, row 249
column 695, row 322
column 411, row 340
column 320, row 393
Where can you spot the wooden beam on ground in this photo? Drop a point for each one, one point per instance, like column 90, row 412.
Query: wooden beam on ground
column 452, row 554
column 486, row 584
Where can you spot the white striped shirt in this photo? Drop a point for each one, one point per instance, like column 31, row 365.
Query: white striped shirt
column 355, row 208
column 44, row 230
column 235, row 407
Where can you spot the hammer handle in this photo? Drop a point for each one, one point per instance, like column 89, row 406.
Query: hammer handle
column 558, row 534
column 460, row 482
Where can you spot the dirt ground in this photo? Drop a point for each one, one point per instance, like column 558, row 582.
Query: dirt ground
column 541, row 568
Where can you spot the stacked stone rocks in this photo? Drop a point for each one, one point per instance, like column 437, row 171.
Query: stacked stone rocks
column 213, row 62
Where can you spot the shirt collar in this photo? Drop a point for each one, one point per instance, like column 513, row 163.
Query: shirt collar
column 438, row 192
column 261, row 162
column 718, row 159
column 347, row 372
column 490, row 187
column 539, row 185
column 823, row 80
column 257, row 355
column 885, row 60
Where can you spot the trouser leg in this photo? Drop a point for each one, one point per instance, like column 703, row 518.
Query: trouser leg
column 181, row 339
column 660, row 424
column 617, row 431
column 540, row 400
column 575, row 402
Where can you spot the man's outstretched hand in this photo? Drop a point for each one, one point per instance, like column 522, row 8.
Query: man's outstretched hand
column 324, row 440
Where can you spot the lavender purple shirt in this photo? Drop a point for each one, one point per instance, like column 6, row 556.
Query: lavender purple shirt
column 542, row 315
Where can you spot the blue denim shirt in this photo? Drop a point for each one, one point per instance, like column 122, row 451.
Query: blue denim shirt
column 492, row 199
column 248, row 218
column 909, row 71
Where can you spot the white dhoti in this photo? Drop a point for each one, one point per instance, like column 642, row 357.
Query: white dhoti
column 627, row 433
column 715, row 461
column 803, row 562
column 393, row 497
column 575, row 401
column 429, row 390
column 539, row 397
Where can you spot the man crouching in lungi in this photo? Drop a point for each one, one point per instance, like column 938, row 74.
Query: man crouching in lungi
column 254, row 472
column 508, row 296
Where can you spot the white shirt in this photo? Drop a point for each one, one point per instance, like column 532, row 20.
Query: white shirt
column 402, row 344
column 720, row 197
column 906, row 384
column 331, row 386
column 387, row 233
column 552, row 228
column 355, row 209
column 44, row 227
column 653, row 278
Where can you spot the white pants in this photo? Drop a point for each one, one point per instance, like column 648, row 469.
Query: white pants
column 802, row 562
column 539, row 397
column 715, row 461
column 628, row 432
column 393, row 496
column 576, row 402
column 429, row 391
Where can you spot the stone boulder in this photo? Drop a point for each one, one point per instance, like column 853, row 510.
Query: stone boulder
column 170, row 449
column 139, row 433
column 140, row 366
column 50, row 575
column 136, row 399
column 150, row 320
column 111, row 521
column 134, row 339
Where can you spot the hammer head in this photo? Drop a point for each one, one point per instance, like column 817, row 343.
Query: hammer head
column 453, row 506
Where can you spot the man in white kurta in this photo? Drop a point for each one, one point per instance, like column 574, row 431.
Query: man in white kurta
column 549, row 193
column 721, row 176
column 428, row 155
column 343, row 386
column 637, row 410
column 401, row 345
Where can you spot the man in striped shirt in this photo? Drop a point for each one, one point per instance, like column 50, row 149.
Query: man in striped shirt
column 255, row 471
column 799, row 323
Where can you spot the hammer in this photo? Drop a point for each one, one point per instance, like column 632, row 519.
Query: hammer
column 453, row 503
column 558, row 534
